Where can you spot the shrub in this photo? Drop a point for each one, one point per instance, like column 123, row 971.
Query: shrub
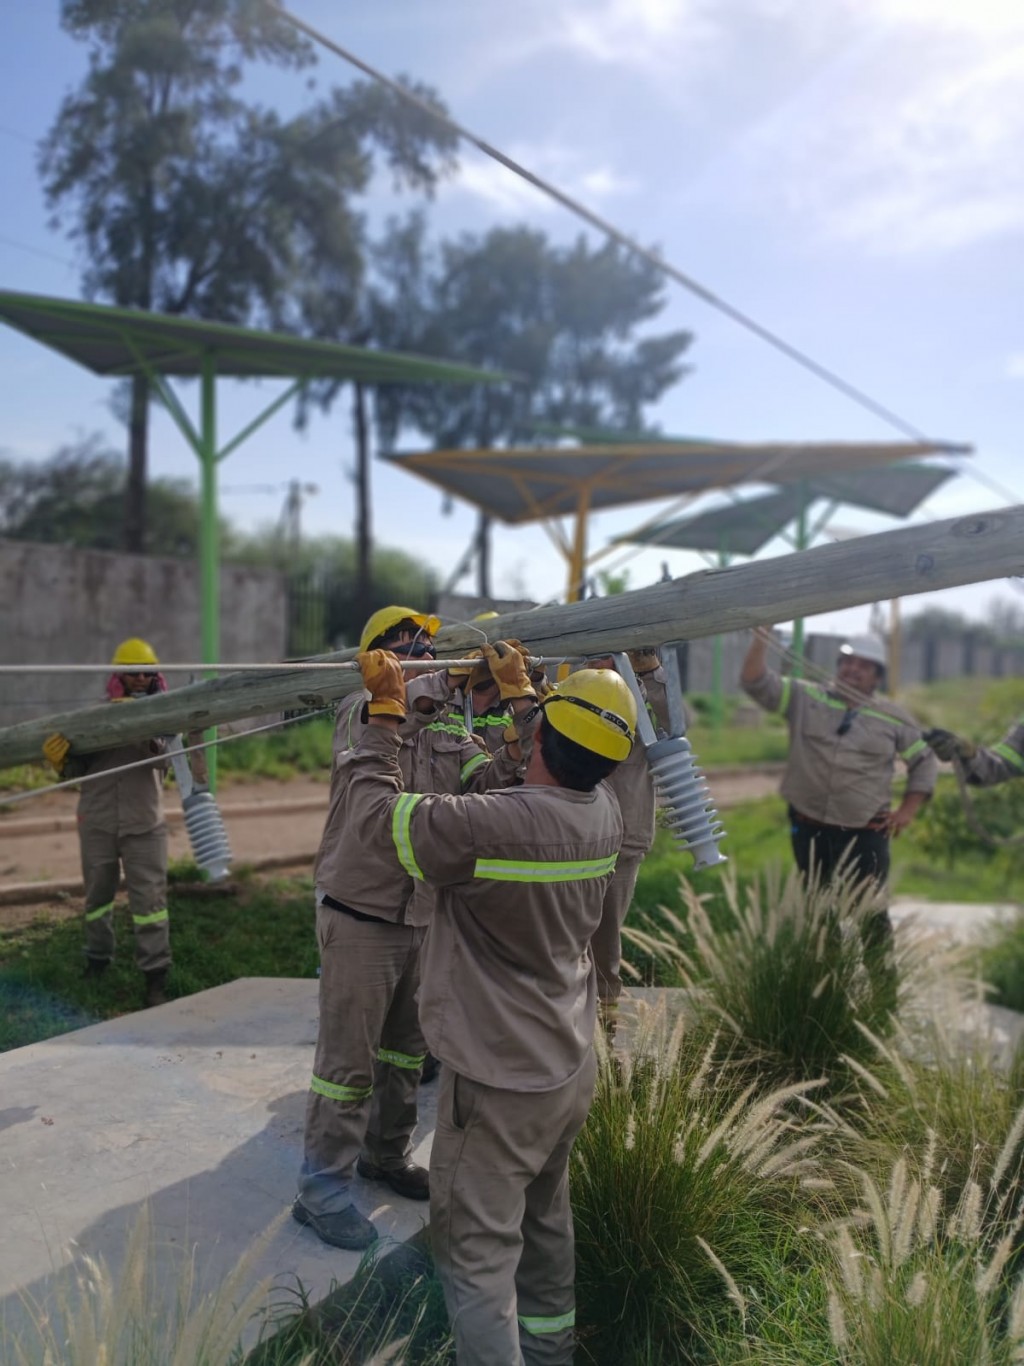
column 677, row 1182
column 914, row 1284
column 792, row 983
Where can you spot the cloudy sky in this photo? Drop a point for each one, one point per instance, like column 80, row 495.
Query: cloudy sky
column 848, row 172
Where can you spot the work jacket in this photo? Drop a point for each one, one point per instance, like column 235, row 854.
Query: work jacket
column 1000, row 762
column 126, row 803
column 842, row 756
column 435, row 754
column 508, row 993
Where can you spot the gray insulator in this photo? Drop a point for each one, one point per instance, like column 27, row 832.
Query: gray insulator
column 686, row 800
column 207, row 835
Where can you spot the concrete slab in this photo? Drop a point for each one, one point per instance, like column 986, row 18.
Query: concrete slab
column 960, row 921
column 196, row 1108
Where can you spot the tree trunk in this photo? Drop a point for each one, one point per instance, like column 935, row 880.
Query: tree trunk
column 920, row 559
column 364, row 535
column 135, row 488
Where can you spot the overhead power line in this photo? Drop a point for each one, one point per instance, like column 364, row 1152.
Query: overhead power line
column 801, row 358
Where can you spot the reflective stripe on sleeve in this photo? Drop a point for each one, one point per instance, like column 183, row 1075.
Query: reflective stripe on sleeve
column 787, row 685
column 471, row 766
column 400, row 818
column 557, row 1323
column 99, row 911
column 912, row 750
column 517, row 870
column 1011, row 756
column 332, row 1091
column 157, row 918
column 405, row 1060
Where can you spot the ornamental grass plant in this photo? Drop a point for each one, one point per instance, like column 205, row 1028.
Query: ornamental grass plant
column 915, row 1282
column 792, row 985
column 678, row 1183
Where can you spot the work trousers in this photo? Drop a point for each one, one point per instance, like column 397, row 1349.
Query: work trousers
column 500, row 1219
column 369, row 1055
column 862, row 854
column 606, row 944
column 144, row 858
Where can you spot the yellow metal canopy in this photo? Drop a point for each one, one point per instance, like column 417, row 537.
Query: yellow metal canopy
column 541, row 484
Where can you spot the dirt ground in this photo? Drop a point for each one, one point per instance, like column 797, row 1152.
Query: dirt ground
column 264, row 819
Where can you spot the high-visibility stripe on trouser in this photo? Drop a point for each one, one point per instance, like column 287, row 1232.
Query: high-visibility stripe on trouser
column 538, row 1327
column 333, row 1091
column 100, row 911
column 157, row 918
column 368, row 982
column 500, row 1220
column 408, row 1060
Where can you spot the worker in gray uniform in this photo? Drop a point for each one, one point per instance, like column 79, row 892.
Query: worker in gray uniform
column 508, row 999
column 362, row 1105
column 983, row 765
column 121, row 822
column 843, row 745
column 633, row 785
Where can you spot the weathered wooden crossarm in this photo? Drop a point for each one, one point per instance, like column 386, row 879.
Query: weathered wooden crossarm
column 892, row 564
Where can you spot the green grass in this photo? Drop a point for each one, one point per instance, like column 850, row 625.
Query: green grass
column 262, row 928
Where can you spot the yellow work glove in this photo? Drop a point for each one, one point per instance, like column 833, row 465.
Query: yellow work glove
column 55, row 751
column 643, row 661
column 468, row 675
column 509, row 670
column 385, row 682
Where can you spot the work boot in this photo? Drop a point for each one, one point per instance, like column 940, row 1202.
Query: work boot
column 96, row 967
column 156, row 988
column 408, row 1180
column 347, row 1228
column 431, row 1067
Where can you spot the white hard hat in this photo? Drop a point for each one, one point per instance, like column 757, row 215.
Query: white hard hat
column 871, row 648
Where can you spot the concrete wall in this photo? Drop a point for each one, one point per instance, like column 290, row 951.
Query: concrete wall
column 59, row 605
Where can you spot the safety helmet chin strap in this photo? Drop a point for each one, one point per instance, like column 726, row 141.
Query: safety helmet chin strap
column 611, row 716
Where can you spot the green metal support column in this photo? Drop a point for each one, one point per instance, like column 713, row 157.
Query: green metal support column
column 802, row 542
column 209, row 549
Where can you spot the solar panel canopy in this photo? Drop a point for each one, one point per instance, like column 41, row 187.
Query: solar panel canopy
column 117, row 342
column 743, row 527
column 533, row 483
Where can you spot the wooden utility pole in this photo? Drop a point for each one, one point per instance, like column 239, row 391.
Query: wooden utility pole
column 988, row 545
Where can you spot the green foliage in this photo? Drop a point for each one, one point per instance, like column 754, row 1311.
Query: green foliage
column 564, row 320
column 1001, row 961
column 323, row 584
column 796, row 980
column 257, row 929
column 77, row 498
column 187, row 198
column 946, row 833
column 676, row 1182
column 303, row 747
column 916, row 1284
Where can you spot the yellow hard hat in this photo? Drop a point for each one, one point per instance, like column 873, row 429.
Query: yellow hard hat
column 386, row 617
column 595, row 708
column 134, row 651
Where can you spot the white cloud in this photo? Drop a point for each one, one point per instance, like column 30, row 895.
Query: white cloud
column 913, row 142
column 1015, row 365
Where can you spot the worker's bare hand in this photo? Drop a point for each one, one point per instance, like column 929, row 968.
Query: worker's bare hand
column 897, row 821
